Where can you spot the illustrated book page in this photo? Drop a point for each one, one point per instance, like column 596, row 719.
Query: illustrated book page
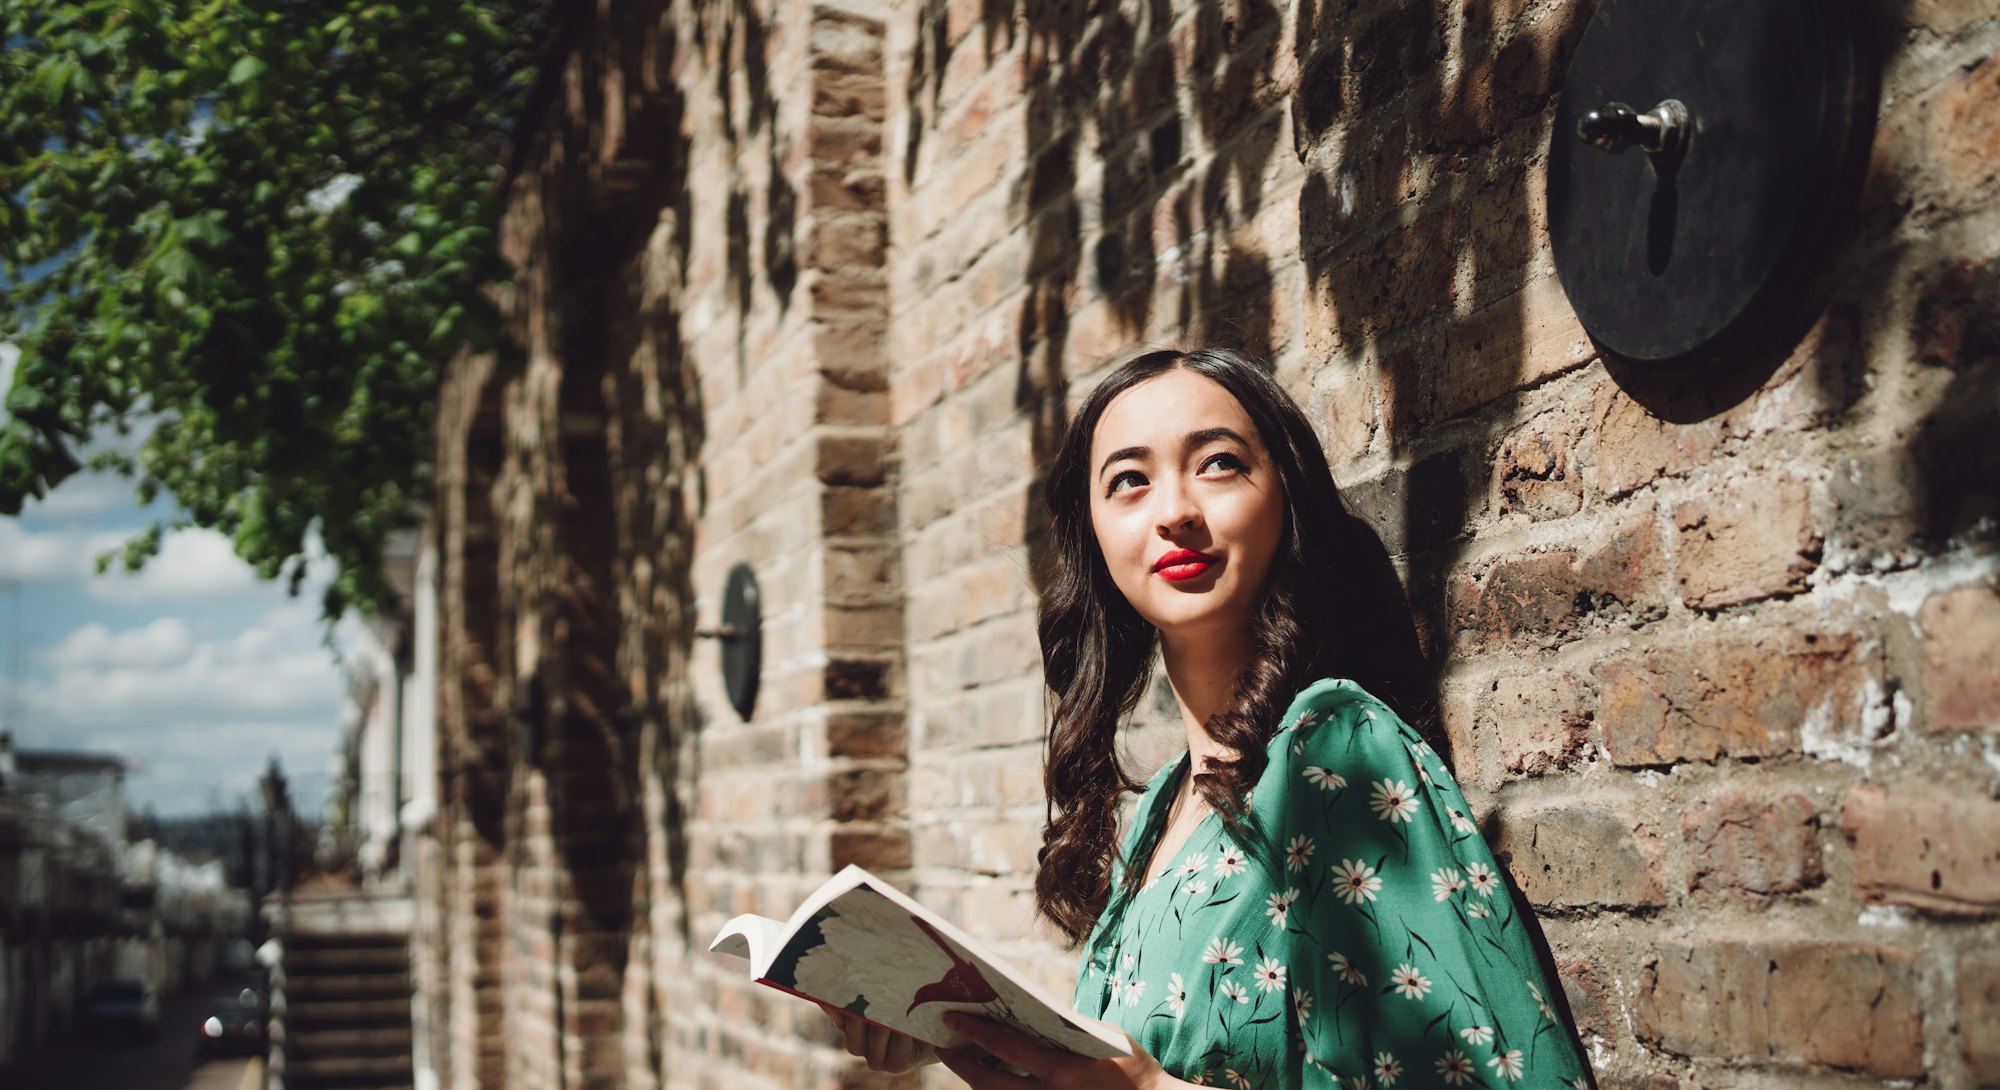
column 860, row 945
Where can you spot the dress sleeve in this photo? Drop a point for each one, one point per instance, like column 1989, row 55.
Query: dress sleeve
column 1410, row 962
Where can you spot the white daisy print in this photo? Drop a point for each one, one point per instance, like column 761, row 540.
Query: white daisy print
column 1278, row 905
column 1456, row 1067
column 1325, row 778
column 1355, row 881
column 1194, row 864
column 1477, row 1035
column 1393, row 801
column 1540, row 1002
column 1348, row 973
column 1240, row 1082
column 1355, row 1082
column 1302, row 1003
column 1459, row 821
column 1408, row 982
column 1507, row 1064
column 1446, row 882
column 1176, row 995
column 1482, row 879
column 1235, row 991
column 1478, row 910
column 1417, row 752
column 1299, row 852
column 1387, row 1069
column 1222, row 952
column 1133, row 992
column 1228, row 861
column 1195, row 888
column 1270, row 975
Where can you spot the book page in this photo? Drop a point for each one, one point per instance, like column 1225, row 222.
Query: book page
column 874, row 952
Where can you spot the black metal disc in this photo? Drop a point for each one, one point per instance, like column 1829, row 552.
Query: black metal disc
column 1671, row 267
column 743, row 647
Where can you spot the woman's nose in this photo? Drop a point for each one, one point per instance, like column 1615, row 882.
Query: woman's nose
column 1178, row 510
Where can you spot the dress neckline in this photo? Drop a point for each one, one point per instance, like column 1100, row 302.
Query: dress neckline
column 1156, row 825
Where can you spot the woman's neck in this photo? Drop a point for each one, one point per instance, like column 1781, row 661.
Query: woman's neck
column 1204, row 676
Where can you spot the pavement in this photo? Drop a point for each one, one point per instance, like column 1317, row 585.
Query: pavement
column 167, row 1062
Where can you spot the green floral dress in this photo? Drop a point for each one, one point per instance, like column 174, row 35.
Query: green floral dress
column 1359, row 935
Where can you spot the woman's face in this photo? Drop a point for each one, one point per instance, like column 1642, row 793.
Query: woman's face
column 1186, row 505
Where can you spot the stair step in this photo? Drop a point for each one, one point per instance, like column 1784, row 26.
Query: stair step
column 331, row 1043
column 343, row 960
column 343, row 1073
column 347, row 986
column 348, row 1012
column 327, row 940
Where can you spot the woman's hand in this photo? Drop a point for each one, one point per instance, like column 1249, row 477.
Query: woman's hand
column 883, row 1048
column 1046, row 1068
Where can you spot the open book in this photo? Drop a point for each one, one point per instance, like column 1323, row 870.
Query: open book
column 859, row 945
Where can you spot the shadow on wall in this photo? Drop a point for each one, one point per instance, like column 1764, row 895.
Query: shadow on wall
column 603, row 175
column 1414, row 223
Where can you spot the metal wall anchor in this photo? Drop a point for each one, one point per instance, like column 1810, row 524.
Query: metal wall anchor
column 1661, row 131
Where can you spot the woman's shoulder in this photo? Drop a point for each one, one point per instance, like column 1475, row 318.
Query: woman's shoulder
column 1337, row 718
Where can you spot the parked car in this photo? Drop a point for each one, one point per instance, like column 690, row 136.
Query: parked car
column 123, row 1007
column 232, row 1025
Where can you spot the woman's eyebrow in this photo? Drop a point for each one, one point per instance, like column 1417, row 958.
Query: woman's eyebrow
column 1194, row 439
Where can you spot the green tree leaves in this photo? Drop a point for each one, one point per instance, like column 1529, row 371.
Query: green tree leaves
column 265, row 226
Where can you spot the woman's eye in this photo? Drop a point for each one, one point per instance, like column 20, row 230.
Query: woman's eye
column 1130, row 478
column 1222, row 461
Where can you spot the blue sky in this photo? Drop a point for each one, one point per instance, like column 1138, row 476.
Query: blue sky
column 193, row 669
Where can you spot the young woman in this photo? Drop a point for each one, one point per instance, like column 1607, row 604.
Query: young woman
column 1302, row 900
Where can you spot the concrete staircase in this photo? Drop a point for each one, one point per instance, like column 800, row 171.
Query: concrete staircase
column 340, row 1001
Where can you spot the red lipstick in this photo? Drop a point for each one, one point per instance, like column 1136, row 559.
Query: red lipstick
column 1183, row 564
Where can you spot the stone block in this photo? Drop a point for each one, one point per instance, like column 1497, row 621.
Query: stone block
column 1961, row 630
column 1581, row 855
column 1700, row 698
column 1848, row 1006
column 1550, row 596
column 1755, row 539
column 1756, row 844
column 1933, row 846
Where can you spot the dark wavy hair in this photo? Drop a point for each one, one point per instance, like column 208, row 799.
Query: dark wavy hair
column 1325, row 612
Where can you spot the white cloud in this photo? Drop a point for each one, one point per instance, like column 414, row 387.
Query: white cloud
column 154, row 679
column 85, row 496
column 192, row 564
column 53, row 556
column 10, row 355
column 164, row 642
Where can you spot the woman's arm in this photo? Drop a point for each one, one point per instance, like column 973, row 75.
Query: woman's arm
column 1048, row 1069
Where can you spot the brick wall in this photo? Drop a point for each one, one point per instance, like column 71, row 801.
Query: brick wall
column 814, row 286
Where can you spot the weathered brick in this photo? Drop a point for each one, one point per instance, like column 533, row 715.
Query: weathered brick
column 1850, row 1007
column 1933, row 846
column 1542, row 721
column 1544, row 597
column 1753, row 540
column 1755, row 844
column 1536, row 472
column 1581, row 855
column 1590, row 997
column 1706, row 697
column 1962, row 660
column 876, row 849
column 1979, row 1015
column 1510, row 344
column 1635, row 447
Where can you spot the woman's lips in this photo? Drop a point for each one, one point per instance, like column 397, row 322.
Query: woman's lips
column 1184, row 564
